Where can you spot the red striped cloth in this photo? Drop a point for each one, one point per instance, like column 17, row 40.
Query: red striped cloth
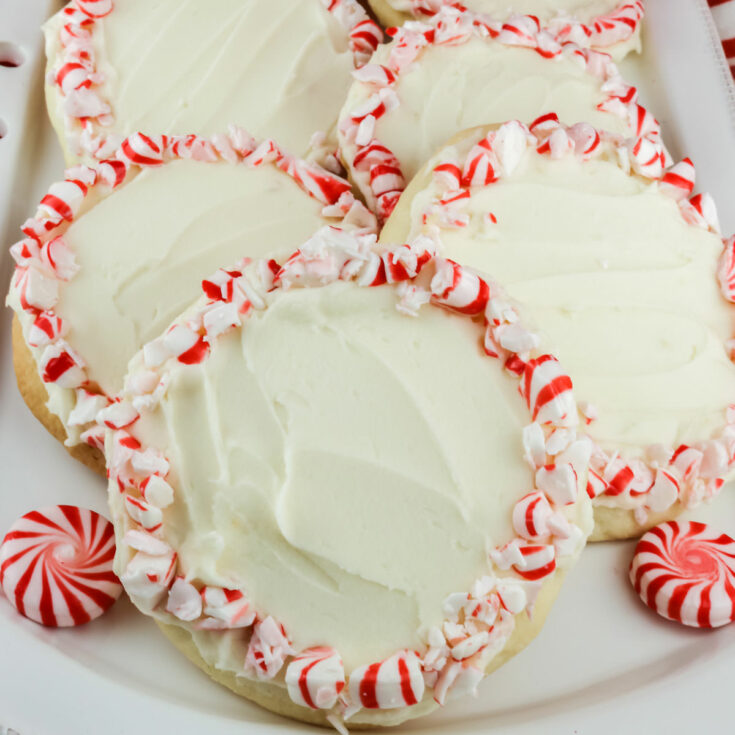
column 723, row 11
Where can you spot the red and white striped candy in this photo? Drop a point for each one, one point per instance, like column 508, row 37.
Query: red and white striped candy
column 547, row 391
column 364, row 39
column 148, row 577
column 685, row 571
column 36, row 290
column 375, row 74
column 59, row 364
column 94, row 437
column 58, row 257
column 63, row 200
column 538, row 561
column 645, row 123
column 545, row 125
column 395, row 682
column 448, row 175
column 531, row 516
column 186, row 345
column 596, row 485
column 687, row 460
column 520, row 30
column 113, row 172
column 149, row 516
column 458, row 288
column 46, row 328
column 478, row 169
column 372, row 154
column 325, row 187
column 618, row 477
column 386, row 178
column 225, row 609
column 648, row 157
column 118, row 415
column 156, row 491
column 56, row 565
column 700, row 210
column 315, row 678
column 95, row 8
column 586, row 139
column 269, row 647
column 25, row 251
column 726, row 270
column 72, row 76
column 143, row 149
column 678, row 181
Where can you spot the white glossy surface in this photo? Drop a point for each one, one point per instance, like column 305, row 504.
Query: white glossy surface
column 603, row 664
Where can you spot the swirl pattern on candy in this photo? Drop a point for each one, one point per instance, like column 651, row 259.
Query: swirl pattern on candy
column 685, row 571
column 449, row 195
column 601, row 25
column 389, row 97
column 84, row 85
column 47, row 264
column 56, row 566
column 478, row 623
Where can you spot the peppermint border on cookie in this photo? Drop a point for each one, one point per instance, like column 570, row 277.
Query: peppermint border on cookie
column 616, row 26
column 88, row 116
column 479, row 622
column 377, row 170
column 686, row 473
column 44, row 262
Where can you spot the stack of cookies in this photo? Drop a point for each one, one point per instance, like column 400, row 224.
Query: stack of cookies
column 372, row 317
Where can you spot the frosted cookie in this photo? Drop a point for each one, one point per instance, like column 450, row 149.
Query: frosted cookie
column 115, row 251
column 331, row 497
column 612, row 26
column 617, row 265
column 278, row 68
column 457, row 71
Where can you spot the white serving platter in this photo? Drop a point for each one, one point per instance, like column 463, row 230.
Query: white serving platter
column 603, row 663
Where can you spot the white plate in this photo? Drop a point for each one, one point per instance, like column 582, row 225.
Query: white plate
column 603, row 664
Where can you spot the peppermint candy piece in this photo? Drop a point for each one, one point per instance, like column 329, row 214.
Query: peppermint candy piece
column 685, row 571
column 56, row 566
column 268, row 650
column 395, row 682
column 315, row 678
column 548, row 391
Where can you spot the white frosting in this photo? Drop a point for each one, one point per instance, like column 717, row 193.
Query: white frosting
column 144, row 249
column 346, row 465
column 278, row 68
column 451, row 88
column 624, row 290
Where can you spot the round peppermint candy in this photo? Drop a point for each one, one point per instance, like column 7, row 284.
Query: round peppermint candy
column 685, row 571
column 56, row 565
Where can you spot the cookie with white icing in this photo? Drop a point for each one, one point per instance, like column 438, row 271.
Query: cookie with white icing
column 614, row 261
column 116, row 250
column 344, row 501
column 612, row 26
column 278, row 68
column 458, row 70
